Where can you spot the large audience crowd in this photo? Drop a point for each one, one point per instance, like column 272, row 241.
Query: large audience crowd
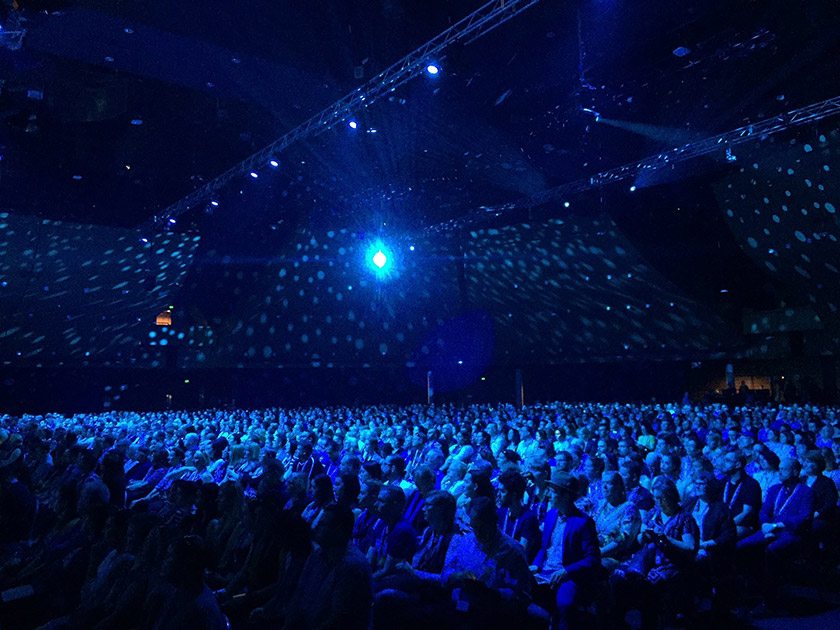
column 549, row 515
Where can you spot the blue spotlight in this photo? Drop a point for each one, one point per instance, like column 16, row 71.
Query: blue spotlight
column 432, row 69
column 273, row 163
column 633, row 188
column 214, row 203
column 380, row 260
column 353, row 124
column 254, row 174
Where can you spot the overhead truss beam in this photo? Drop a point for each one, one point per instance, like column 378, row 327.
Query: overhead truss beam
column 465, row 31
column 721, row 143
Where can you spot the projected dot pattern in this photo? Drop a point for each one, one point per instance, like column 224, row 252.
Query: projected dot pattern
column 319, row 305
column 83, row 293
column 578, row 290
column 782, row 204
column 559, row 290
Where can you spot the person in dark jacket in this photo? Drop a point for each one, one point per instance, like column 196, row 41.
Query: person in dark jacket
column 714, row 520
column 570, row 557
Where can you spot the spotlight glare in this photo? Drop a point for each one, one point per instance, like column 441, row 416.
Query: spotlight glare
column 353, row 124
column 274, row 163
column 432, row 69
column 172, row 221
column 215, row 204
column 254, row 174
column 566, row 204
column 632, row 189
column 411, row 248
column 379, row 259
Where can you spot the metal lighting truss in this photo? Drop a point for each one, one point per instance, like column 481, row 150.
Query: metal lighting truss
column 722, row 142
column 466, row 31
column 13, row 40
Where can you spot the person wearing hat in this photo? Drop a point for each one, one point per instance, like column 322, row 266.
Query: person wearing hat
column 569, row 559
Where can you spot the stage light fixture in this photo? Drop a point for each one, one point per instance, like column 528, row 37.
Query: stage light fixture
column 353, row 124
column 273, row 163
column 432, row 69
column 254, row 174
column 380, row 260
column 633, row 188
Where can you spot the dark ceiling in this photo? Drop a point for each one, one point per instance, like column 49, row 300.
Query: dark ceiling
column 113, row 110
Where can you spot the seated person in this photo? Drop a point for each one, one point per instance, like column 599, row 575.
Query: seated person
column 569, row 559
column 488, row 555
column 516, row 519
column 741, row 494
column 335, row 589
column 631, row 472
column 825, row 496
column 785, row 521
column 714, row 521
column 669, row 540
column 617, row 522
column 439, row 510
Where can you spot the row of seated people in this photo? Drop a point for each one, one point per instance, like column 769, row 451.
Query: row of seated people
column 424, row 511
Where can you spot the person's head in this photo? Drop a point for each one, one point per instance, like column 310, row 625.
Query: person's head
column 693, row 445
column 350, row 464
column 512, row 487
column 296, row 485
column 734, row 461
column 613, row 486
column 200, row 460
column 789, row 469
column 670, row 465
column 565, row 461
column 484, row 520
column 371, row 470
column 478, row 482
column 625, row 447
column 830, row 459
column 424, row 479
column 593, row 468
column 390, row 504
column 813, row 464
column 347, row 488
column 321, row 487
column 368, row 493
column 335, row 527
column 562, row 490
column 706, row 485
column 393, row 467
column 767, row 459
column 439, row 511
column 304, row 450
column 665, row 495
column 631, row 471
